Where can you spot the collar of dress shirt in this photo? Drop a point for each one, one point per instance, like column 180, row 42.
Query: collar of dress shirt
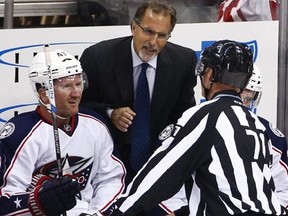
column 137, row 61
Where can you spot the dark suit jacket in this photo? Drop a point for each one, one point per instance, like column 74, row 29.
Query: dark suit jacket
column 108, row 65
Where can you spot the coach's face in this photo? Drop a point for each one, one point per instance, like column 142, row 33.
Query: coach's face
column 150, row 34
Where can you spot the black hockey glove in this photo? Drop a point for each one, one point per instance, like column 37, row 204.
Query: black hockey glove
column 54, row 196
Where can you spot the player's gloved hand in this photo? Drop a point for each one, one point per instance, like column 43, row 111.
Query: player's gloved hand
column 54, row 196
column 38, row 179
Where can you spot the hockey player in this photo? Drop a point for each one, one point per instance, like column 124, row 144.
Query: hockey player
column 251, row 97
column 92, row 175
column 219, row 144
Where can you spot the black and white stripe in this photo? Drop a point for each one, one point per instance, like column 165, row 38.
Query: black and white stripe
column 223, row 147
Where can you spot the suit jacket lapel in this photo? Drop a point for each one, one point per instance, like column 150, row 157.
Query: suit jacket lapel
column 162, row 82
column 124, row 71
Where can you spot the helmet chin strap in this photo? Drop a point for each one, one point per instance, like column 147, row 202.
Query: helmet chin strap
column 48, row 109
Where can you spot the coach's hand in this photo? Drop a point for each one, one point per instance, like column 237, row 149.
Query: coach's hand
column 54, row 196
column 122, row 118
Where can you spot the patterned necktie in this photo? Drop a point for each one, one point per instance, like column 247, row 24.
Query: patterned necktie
column 140, row 129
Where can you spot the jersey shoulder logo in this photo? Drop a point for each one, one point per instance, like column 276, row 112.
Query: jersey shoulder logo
column 7, row 130
column 275, row 130
column 166, row 132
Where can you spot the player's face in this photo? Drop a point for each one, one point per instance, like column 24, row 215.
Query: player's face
column 68, row 93
column 247, row 97
column 151, row 34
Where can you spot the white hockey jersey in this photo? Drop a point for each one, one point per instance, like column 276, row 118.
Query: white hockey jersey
column 87, row 152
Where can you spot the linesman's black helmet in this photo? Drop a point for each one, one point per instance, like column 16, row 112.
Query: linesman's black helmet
column 231, row 61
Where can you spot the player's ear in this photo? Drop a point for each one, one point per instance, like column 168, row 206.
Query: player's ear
column 43, row 95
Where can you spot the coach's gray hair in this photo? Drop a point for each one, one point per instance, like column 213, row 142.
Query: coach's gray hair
column 158, row 7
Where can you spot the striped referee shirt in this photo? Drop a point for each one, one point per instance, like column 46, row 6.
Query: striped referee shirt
column 222, row 147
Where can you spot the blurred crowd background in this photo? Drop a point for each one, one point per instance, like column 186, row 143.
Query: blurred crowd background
column 63, row 13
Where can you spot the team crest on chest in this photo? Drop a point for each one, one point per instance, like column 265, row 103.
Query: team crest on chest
column 167, row 132
column 7, row 130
